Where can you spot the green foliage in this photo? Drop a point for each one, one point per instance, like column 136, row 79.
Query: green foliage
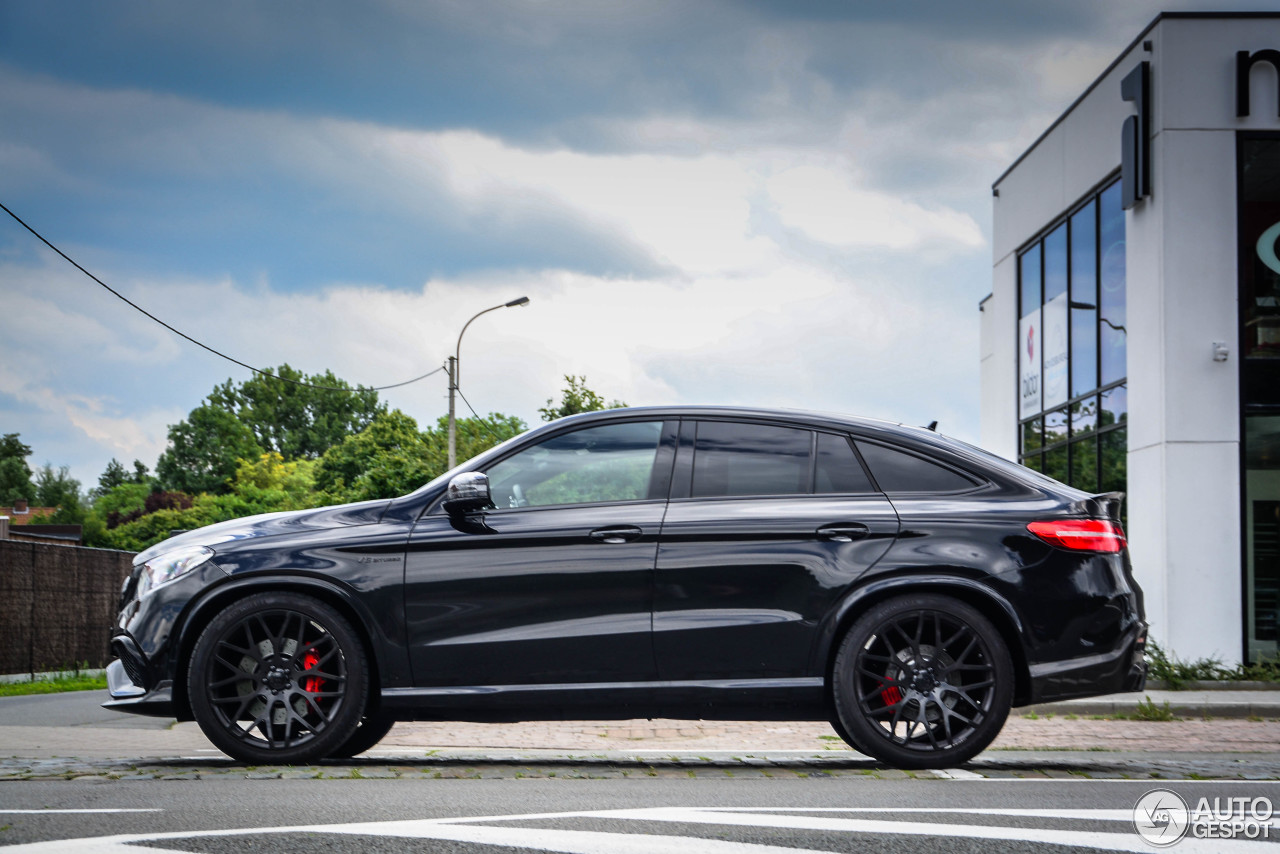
column 474, row 437
column 15, row 474
column 58, row 683
column 1148, row 711
column 112, row 476
column 269, row 483
column 392, row 457
column 575, row 397
column 56, row 488
column 389, row 457
column 298, row 421
column 123, row 499
column 204, row 451
column 1177, row 673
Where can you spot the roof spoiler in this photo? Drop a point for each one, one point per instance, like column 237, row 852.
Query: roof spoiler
column 1104, row 505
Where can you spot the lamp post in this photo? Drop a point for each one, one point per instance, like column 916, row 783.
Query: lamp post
column 454, row 364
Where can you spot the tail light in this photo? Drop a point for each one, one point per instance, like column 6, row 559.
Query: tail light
column 1081, row 535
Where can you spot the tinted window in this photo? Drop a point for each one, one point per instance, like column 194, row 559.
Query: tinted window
column 750, row 459
column 609, row 463
column 838, row 468
column 896, row 471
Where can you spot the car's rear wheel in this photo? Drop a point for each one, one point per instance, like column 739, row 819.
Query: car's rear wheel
column 278, row 678
column 371, row 731
column 922, row 681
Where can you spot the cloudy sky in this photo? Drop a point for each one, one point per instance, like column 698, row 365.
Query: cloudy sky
column 755, row 202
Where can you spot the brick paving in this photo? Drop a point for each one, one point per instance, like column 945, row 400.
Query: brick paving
column 1020, row 733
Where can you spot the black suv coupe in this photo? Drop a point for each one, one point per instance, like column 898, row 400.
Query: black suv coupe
column 678, row 562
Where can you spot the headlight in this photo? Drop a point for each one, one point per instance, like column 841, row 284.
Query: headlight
column 169, row 566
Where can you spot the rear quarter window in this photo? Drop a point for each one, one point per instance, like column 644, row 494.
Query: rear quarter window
column 899, row 471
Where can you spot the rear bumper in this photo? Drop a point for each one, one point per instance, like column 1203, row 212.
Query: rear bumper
column 1121, row 670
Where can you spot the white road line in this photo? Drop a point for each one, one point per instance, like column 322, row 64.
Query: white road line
column 480, row 830
column 1080, row 839
column 64, row 812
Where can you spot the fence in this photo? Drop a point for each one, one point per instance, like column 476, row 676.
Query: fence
column 57, row 605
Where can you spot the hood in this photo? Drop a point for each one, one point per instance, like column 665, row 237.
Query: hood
column 270, row 524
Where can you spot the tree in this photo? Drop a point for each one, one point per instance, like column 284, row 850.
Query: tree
column 204, row 451
column 390, row 457
column 112, row 476
column 15, row 474
column 56, row 488
column 575, row 397
column 298, row 421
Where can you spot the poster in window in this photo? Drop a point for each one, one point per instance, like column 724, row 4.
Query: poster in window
column 1029, row 346
column 1055, row 351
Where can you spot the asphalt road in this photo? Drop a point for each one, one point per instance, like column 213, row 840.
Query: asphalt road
column 75, row 778
column 698, row 816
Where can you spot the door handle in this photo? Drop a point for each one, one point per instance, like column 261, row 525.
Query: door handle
column 616, row 534
column 844, row 532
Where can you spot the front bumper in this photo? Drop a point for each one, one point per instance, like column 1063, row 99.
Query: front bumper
column 127, row 696
column 1120, row 670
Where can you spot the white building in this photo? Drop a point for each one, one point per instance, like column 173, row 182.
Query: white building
column 1132, row 337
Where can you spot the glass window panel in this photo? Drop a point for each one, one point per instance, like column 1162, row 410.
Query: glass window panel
column 1111, row 291
column 1084, row 464
column 1055, row 464
column 608, row 463
column 1084, row 350
column 1055, row 263
column 1113, row 453
column 750, row 459
column 1084, row 416
column 1034, row 462
column 838, row 469
column 1115, row 406
column 1084, row 255
column 1029, row 275
column 896, row 471
column 1259, row 268
column 1055, row 426
column 1262, row 533
column 1032, row 436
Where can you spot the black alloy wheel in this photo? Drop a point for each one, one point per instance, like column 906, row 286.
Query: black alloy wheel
column 278, row 678
column 922, row 681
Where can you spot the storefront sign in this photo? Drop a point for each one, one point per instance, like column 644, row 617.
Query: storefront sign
column 1055, row 351
column 1029, row 365
column 1245, row 62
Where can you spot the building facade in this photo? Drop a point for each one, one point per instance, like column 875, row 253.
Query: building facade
column 1131, row 341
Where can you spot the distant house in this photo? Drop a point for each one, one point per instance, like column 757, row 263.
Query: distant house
column 21, row 516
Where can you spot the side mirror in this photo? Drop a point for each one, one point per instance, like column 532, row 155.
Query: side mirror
column 467, row 492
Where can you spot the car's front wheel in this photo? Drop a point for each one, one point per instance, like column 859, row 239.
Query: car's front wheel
column 278, row 678
column 922, row 681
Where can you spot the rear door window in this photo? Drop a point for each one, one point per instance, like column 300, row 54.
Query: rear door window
column 750, row 459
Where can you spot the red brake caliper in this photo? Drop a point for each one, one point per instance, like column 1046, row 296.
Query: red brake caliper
column 892, row 696
column 312, row 684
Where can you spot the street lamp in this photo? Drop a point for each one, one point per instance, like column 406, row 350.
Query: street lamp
column 454, row 364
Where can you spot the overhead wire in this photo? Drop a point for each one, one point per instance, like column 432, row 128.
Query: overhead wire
column 201, row 344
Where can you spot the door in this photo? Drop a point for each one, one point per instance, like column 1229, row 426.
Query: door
column 767, row 525
column 555, row 584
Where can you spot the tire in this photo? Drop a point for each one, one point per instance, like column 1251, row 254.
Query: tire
column 922, row 681
column 278, row 678
column 370, row 732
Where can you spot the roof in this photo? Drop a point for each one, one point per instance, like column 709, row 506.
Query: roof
column 26, row 517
